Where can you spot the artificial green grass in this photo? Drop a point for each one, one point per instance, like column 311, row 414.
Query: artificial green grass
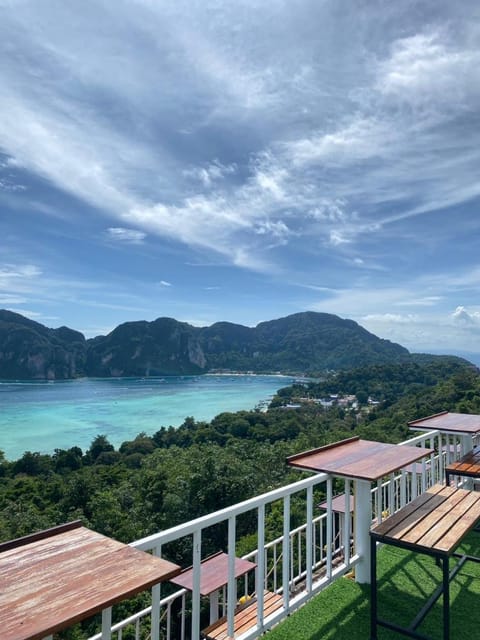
column 405, row 582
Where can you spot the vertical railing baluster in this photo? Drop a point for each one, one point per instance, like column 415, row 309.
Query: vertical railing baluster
column 260, row 566
column 197, row 547
column 231, row 588
column 107, row 623
column 348, row 521
column 155, row 616
column 286, row 553
column 379, row 501
column 182, row 617
column 329, row 526
column 169, row 620
column 308, row 538
column 391, row 494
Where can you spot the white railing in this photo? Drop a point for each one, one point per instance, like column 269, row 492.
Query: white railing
column 319, row 551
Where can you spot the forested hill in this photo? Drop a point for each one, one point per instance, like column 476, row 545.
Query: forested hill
column 301, row 343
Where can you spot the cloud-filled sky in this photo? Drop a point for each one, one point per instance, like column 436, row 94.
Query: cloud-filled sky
column 243, row 161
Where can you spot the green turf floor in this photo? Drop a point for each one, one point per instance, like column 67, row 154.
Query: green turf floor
column 405, row 581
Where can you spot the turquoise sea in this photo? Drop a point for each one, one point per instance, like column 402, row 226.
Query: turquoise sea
column 43, row 416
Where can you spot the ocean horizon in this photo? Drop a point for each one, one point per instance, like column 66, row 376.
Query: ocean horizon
column 41, row 416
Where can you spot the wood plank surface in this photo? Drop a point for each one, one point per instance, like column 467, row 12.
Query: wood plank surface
column 462, row 423
column 436, row 525
column 469, row 464
column 435, row 521
column 359, row 459
column 245, row 618
column 55, row 581
column 399, row 522
column 213, row 573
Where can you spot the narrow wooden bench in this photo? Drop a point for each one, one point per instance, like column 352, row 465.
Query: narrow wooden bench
column 468, row 466
column 434, row 524
column 245, row 617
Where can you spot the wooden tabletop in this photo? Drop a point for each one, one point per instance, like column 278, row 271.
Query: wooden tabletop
column 360, row 459
column 338, row 504
column 456, row 423
column 468, row 465
column 213, row 573
column 435, row 521
column 55, row 578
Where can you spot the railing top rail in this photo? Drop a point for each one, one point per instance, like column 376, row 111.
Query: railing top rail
column 422, row 437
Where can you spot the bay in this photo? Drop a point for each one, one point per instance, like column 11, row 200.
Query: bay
column 43, row 416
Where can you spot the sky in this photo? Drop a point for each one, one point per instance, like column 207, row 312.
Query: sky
column 243, row 160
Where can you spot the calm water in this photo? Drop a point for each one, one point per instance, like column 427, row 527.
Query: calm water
column 42, row 416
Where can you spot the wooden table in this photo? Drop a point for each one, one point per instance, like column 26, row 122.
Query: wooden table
column 435, row 523
column 468, row 466
column 52, row 579
column 465, row 425
column 213, row 576
column 358, row 459
column 365, row 461
column 454, row 423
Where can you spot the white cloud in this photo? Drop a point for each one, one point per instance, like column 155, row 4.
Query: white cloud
column 426, row 301
column 359, row 139
column 164, row 283
column 28, row 313
column 426, row 71
column 11, row 299
column 211, row 173
column 338, row 237
column 127, row 236
column 389, row 318
column 15, row 277
column 467, row 318
column 8, row 185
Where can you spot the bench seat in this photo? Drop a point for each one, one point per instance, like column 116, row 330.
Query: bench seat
column 245, row 617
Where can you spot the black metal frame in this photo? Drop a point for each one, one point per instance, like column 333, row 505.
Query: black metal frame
column 443, row 588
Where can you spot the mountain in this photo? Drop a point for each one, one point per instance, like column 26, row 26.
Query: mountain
column 303, row 342
column 162, row 347
column 31, row 351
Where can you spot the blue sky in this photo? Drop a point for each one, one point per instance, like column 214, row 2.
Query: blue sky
column 243, row 161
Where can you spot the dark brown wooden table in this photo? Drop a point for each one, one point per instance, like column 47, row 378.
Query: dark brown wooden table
column 434, row 523
column 448, row 422
column 52, row 579
column 213, row 576
column 358, row 459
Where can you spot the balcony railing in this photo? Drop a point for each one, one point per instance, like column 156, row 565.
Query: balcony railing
column 319, row 551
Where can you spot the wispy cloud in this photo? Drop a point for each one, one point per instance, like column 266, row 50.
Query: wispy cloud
column 259, row 144
column 129, row 236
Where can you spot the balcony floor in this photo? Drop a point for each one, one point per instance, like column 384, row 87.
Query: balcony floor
column 405, row 581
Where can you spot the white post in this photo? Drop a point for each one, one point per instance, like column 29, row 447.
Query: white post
column 286, row 552
column 232, row 586
column 363, row 521
column 467, row 444
column 213, row 607
column 107, row 623
column 157, row 551
column 260, row 575
column 197, row 549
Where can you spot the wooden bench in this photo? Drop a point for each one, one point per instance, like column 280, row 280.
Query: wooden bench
column 435, row 523
column 245, row 617
column 468, row 466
